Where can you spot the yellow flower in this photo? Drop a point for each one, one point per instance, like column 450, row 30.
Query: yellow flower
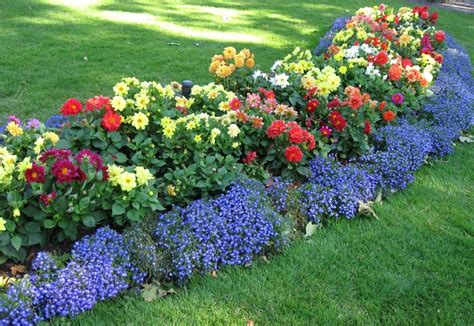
column 114, row 173
column 14, row 129
column 143, row 175
column 127, row 181
column 229, row 52
column 2, row 224
column 212, row 94
column 118, row 103
column 198, row 138
column 224, row 71
column 339, row 56
column 343, row 70
column 405, row 39
column 169, row 130
column 233, row 130
column 235, row 145
column 191, row 125
column 23, row 166
column 53, row 137
column 214, row 133
column 171, row 190
column 250, row 63
column 140, row 120
column 224, row 106
column 121, row 89
column 16, row 212
column 142, row 101
column 239, row 60
column 39, row 142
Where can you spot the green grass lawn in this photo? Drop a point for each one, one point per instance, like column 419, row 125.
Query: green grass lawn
column 413, row 266
column 55, row 49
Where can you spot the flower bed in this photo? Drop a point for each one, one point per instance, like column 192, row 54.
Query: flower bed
column 333, row 132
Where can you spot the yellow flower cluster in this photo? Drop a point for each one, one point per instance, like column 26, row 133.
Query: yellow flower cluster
column 326, row 80
column 7, row 166
column 128, row 180
column 298, row 61
column 223, row 65
column 14, row 129
column 40, row 141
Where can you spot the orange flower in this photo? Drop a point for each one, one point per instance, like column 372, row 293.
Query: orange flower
column 395, row 72
column 389, row 116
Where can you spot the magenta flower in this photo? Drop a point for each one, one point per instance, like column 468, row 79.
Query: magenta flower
column 397, row 98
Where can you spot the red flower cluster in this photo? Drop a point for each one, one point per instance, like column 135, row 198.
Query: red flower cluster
column 381, row 58
column 93, row 158
column 98, row 103
column 312, row 105
column 251, row 156
column 71, row 107
column 235, row 103
column 337, row 120
column 298, row 135
column 277, row 128
column 440, row 36
column 268, row 94
column 293, row 154
column 65, row 171
column 111, row 121
column 35, row 174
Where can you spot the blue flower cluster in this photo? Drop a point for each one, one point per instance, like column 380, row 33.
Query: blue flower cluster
column 335, row 190
column 326, row 40
column 100, row 268
column 229, row 230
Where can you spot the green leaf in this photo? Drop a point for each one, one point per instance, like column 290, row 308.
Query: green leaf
column 117, row 209
column 49, row 224
column 16, row 242
column 63, row 144
column 149, row 292
column 88, row 221
column 32, row 227
column 115, row 136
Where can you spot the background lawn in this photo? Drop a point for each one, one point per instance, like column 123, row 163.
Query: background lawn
column 52, row 50
column 414, row 266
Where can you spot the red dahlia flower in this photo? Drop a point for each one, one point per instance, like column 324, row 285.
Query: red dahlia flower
column 71, row 107
column 367, row 127
column 235, row 103
column 382, row 105
column 334, row 103
column 35, row 174
column 65, row 171
column 406, row 63
column 337, row 120
column 381, row 58
column 440, row 36
column 434, row 17
column 355, row 102
column 250, row 157
column 297, row 135
column 425, row 15
column 293, row 154
column 276, row 129
column 98, row 102
column 111, row 121
column 311, row 105
column 439, row 58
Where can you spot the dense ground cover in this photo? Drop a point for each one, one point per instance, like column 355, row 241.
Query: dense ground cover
column 411, row 266
column 221, row 205
column 52, row 50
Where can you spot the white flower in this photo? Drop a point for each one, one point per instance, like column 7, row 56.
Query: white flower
column 259, row 73
column 277, row 64
column 352, row 52
column 280, row 80
column 372, row 71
